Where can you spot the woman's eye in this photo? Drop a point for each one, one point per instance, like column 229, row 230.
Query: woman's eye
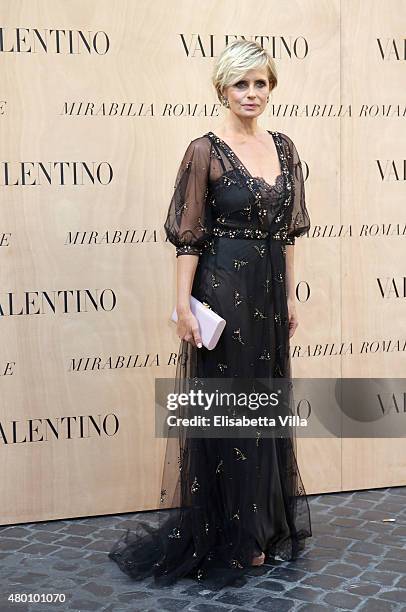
column 241, row 84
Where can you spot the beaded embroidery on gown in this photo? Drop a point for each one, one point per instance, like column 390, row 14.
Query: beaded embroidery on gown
column 222, row 503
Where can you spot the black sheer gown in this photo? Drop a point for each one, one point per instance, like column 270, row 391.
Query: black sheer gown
column 223, row 500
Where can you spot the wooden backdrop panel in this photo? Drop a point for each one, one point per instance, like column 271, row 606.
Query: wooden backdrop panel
column 100, row 364
column 373, row 198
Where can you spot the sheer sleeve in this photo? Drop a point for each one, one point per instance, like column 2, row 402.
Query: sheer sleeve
column 299, row 220
column 188, row 222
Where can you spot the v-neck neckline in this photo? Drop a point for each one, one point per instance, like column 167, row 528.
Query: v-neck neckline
column 234, row 154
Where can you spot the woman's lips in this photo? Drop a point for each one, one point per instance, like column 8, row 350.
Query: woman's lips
column 250, row 105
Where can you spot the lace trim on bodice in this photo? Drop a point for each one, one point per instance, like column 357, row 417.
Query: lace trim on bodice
column 278, row 185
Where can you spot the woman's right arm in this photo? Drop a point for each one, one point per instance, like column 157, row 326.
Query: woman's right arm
column 188, row 326
column 188, row 226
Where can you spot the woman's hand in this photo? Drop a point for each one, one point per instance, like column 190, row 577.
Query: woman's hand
column 188, row 328
column 293, row 320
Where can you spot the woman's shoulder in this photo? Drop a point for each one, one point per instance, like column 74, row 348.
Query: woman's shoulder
column 287, row 139
column 201, row 141
column 289, row 145
column 200, row 145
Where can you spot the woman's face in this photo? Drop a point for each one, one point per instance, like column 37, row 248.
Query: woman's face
column 247, row 97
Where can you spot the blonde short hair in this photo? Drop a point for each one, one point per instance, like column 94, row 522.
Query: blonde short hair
column 236, row 59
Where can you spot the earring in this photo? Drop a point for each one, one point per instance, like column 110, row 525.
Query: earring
column 267, row 99
column 225, row 102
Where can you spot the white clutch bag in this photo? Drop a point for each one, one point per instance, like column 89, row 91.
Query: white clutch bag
column 210, row 323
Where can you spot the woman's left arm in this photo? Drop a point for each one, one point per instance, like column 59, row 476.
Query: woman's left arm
column 299, row 224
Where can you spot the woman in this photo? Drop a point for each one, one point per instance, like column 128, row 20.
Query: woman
column 237, row 207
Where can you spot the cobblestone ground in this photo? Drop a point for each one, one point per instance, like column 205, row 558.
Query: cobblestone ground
column 354, row 561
